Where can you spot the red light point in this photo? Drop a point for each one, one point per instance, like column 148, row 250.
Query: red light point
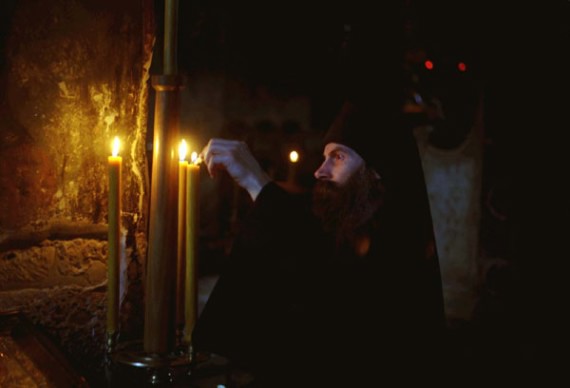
column 428, row 64
column 462, row 66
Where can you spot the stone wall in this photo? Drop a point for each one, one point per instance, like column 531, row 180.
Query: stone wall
column 74, row 75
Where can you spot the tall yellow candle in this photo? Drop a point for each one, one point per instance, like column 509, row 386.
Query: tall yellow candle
column 114, row 237
column 181, row 252
column 192, row 225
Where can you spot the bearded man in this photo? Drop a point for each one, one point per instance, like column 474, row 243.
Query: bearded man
column 339, row 288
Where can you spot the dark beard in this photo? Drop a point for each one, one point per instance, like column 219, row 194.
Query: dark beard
column 345, row 210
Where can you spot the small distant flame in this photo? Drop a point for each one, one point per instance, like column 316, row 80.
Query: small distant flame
column 194, row 158
column 182, row 150
column 294, row 156
column 116, row 146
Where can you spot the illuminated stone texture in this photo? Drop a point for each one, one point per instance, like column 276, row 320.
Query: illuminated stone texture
column 73, row 75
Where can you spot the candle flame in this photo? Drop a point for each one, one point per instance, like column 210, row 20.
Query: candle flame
column 294, row 156
column 182, row 150
column 194, row 158
column 116, row 146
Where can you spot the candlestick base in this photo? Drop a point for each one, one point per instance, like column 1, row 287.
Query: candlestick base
column 160, row 368
column 133, row 354
column 133, row 367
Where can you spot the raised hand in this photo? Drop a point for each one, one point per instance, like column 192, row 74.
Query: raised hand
column 236, row 159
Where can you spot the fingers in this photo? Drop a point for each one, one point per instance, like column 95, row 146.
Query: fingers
column 220, row 154
column 207, row 156
column 236, row 159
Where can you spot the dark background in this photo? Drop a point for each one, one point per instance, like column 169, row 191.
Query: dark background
column 515, row 51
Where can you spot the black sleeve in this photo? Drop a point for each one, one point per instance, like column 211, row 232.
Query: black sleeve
column 247, row 308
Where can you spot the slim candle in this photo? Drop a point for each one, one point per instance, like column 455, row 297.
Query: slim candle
column 192, row 224
column 181, row 257
column 114, row 236
column 293, row 158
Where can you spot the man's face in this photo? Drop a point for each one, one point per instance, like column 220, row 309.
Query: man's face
column 341, row 162
column 347, row 193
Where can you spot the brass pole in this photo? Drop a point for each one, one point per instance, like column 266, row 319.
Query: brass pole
column 161, row 279
column 170, row 63
column 160, row 318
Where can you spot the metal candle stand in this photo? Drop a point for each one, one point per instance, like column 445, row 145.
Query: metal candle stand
column 163, row 348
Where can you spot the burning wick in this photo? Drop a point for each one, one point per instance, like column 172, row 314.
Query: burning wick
column 294, row 156
column 182, row 150
column 195, row 159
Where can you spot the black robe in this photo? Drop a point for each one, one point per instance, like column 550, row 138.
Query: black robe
column 296, row 311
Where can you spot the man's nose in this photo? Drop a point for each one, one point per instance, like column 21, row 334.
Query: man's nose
column 322, row 172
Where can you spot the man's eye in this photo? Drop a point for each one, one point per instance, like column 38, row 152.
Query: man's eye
column 339, row 157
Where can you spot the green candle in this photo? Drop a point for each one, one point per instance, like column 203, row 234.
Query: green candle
column 181, row 252
column 192, row 225
column 114, row 237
